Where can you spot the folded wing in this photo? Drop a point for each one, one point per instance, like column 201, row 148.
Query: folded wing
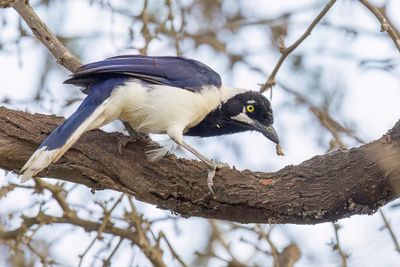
column 167, row 70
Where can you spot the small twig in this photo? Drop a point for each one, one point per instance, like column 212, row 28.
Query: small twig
column 390, row 230
column 107, row 216
column 106, row 246
column 81, row 256
column 285, row 51
column 58, row 194
column 152, row 252
column 386, row 26
column 217, row 236
column 336, row 245
column 174, row 31
column 107, row 262
column 267, row 237
column 255, row 246
column 43, row 258
column 144, row 15
column 173, row 252
column 326, row 120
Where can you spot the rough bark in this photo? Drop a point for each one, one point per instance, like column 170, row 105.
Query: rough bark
column 323, row 188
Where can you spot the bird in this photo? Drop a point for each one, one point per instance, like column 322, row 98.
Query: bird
column 171, row 95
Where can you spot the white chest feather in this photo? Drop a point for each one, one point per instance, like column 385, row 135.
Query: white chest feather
column 166, row 109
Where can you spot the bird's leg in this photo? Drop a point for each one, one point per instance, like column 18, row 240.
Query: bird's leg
column 129, row 129
column 212, row 166
column 203, row 158
column 134, row 136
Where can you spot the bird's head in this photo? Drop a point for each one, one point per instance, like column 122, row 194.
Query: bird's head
column 250, row 111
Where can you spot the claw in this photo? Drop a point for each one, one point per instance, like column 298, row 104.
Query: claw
column 213, row 167
column 122, row 143
column 210, row 178
column 134, row 137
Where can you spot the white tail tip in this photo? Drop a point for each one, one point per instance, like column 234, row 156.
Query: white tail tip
column 37, row 162
column 27, row 175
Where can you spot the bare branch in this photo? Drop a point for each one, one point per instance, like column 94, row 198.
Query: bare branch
column 81, row 256
column 285, row 51
column 326, row 120
column 173, row 252
column 58, row 195
column 152, row 253
column 386, row 26
column 289, row 256
column 337, row 246
column 107, row 262
column 43, row 33
column 390, row 230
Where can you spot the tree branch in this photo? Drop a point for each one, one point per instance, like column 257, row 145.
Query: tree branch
column 390, row 230
column 285, row 51
column 386, row 26
column 6, row 3
column 154, row 254
column 63, row 56
column 324, row 188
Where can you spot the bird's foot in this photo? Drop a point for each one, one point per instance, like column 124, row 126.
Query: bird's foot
column 213, row 167
column 123, row 142
column 137, row 137
column 127, row 139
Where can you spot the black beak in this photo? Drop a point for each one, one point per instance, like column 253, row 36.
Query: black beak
column 267, row 131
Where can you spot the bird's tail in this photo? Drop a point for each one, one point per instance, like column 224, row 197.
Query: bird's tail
column 89, row 115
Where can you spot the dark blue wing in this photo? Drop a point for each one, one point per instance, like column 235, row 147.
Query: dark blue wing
column 167, row 70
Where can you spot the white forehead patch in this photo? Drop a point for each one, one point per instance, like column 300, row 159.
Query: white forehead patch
column 251, row 101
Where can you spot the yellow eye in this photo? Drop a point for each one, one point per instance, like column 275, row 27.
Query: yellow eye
column 250, row 108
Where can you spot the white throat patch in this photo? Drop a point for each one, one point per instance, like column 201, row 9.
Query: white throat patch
column 242, row 117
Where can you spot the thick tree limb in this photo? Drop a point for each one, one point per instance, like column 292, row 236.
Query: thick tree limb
column 324, row 188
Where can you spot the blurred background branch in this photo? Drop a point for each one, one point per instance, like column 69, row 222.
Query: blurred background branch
column 285, row 51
